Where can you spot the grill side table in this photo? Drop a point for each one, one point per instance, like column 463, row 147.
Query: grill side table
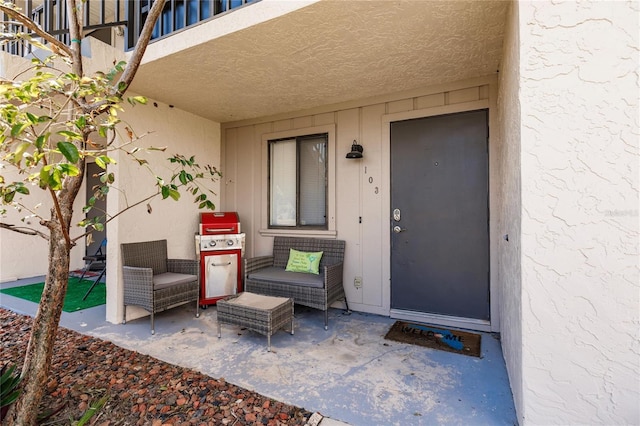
column 259, row 313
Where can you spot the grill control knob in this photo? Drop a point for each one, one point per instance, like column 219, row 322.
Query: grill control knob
column 212, row 243
column 229, row 242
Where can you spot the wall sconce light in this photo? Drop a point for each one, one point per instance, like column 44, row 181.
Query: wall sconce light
column 356, row 150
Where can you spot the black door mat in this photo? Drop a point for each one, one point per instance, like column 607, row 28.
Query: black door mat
column 430, row 336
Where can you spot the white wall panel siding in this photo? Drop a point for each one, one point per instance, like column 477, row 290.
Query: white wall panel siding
column 327, row 118
column 281, row 125
column 430, row 101
column 580, row 236
column 301, row 122
column 375, row 216
column 230, row 170
column 349, row 199
column 367, row 251
column 464, row 95
column 245, row 176
column 259, row 167
column 400, row 106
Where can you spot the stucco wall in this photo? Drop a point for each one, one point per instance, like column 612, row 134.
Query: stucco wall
column 580, row 280
column 361, row 186
column 175, row 221
column 23, row 256
column 164, row 126
column 509, row 208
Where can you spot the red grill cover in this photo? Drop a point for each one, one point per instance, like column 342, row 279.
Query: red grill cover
column 219, row 223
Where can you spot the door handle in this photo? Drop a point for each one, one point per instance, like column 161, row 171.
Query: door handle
column 398, row 230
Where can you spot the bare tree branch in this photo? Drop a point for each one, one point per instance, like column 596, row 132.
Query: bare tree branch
column 24, row 20
column 24, row 230
column 141, row 47
column 75, row 33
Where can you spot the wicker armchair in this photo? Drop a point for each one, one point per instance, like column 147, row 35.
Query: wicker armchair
column 267, row 275
column 155, row 283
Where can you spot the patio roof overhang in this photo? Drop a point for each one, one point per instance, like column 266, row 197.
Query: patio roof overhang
column 309, row 54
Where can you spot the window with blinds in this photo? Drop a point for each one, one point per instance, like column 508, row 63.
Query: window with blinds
column 298, row 182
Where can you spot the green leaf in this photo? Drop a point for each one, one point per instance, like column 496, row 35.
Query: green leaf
column 10, row 399
column 7, row 197
column 71, row 135
column 81, row 122
column 55, row 180
column 174, row 194
column 69, row 151
column 40, row 141
column 165, row 192
column 103, row 160
column 183, row 177
column 32, row 118
column 17, row 155
column 18, row 128
column 21, row 189
column 44, row 177
column 69, row 169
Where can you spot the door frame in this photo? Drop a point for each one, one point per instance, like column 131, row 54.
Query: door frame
column 443, row 320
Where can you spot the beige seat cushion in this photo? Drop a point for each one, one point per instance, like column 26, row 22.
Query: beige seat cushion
column 258, row 301
column 169, row 279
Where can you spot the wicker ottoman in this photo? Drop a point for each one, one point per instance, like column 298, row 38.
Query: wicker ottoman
column 262, row 314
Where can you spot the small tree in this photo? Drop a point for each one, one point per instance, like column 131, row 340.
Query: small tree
column 51, row 124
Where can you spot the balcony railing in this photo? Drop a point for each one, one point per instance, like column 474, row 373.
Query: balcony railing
column 101, row 15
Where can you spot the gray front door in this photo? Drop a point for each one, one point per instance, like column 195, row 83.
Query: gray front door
column 440, row 216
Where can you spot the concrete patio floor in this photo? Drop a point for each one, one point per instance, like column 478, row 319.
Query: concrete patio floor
column 348, row 373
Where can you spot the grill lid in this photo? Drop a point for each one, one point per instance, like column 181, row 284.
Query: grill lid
column 219, row 223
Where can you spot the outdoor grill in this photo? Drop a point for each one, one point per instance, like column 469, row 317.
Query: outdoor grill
column 221, row 246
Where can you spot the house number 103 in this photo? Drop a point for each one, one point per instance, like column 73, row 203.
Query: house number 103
column 375, row 189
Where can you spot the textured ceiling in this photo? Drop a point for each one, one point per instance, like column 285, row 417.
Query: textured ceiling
column 325, row 53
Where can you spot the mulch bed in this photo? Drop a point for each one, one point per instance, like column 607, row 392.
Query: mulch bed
column 142, row 390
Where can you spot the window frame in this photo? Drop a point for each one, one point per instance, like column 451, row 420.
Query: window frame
column 329, row 230
column 298, row 143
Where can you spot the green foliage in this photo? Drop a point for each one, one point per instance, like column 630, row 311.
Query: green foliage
column 91, row 411
column 55, row 121
column 9, row 386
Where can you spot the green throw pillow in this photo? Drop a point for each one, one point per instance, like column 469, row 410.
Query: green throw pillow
column 301, row 261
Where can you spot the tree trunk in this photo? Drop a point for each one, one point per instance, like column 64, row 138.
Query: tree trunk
column 44, row 328
column 37, row 361
column 43, row 334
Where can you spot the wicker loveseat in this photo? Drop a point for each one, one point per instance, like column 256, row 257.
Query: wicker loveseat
column 155, row 283
column 267, row 275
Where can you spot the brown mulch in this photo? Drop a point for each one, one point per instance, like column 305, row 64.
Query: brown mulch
column 142, row 390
